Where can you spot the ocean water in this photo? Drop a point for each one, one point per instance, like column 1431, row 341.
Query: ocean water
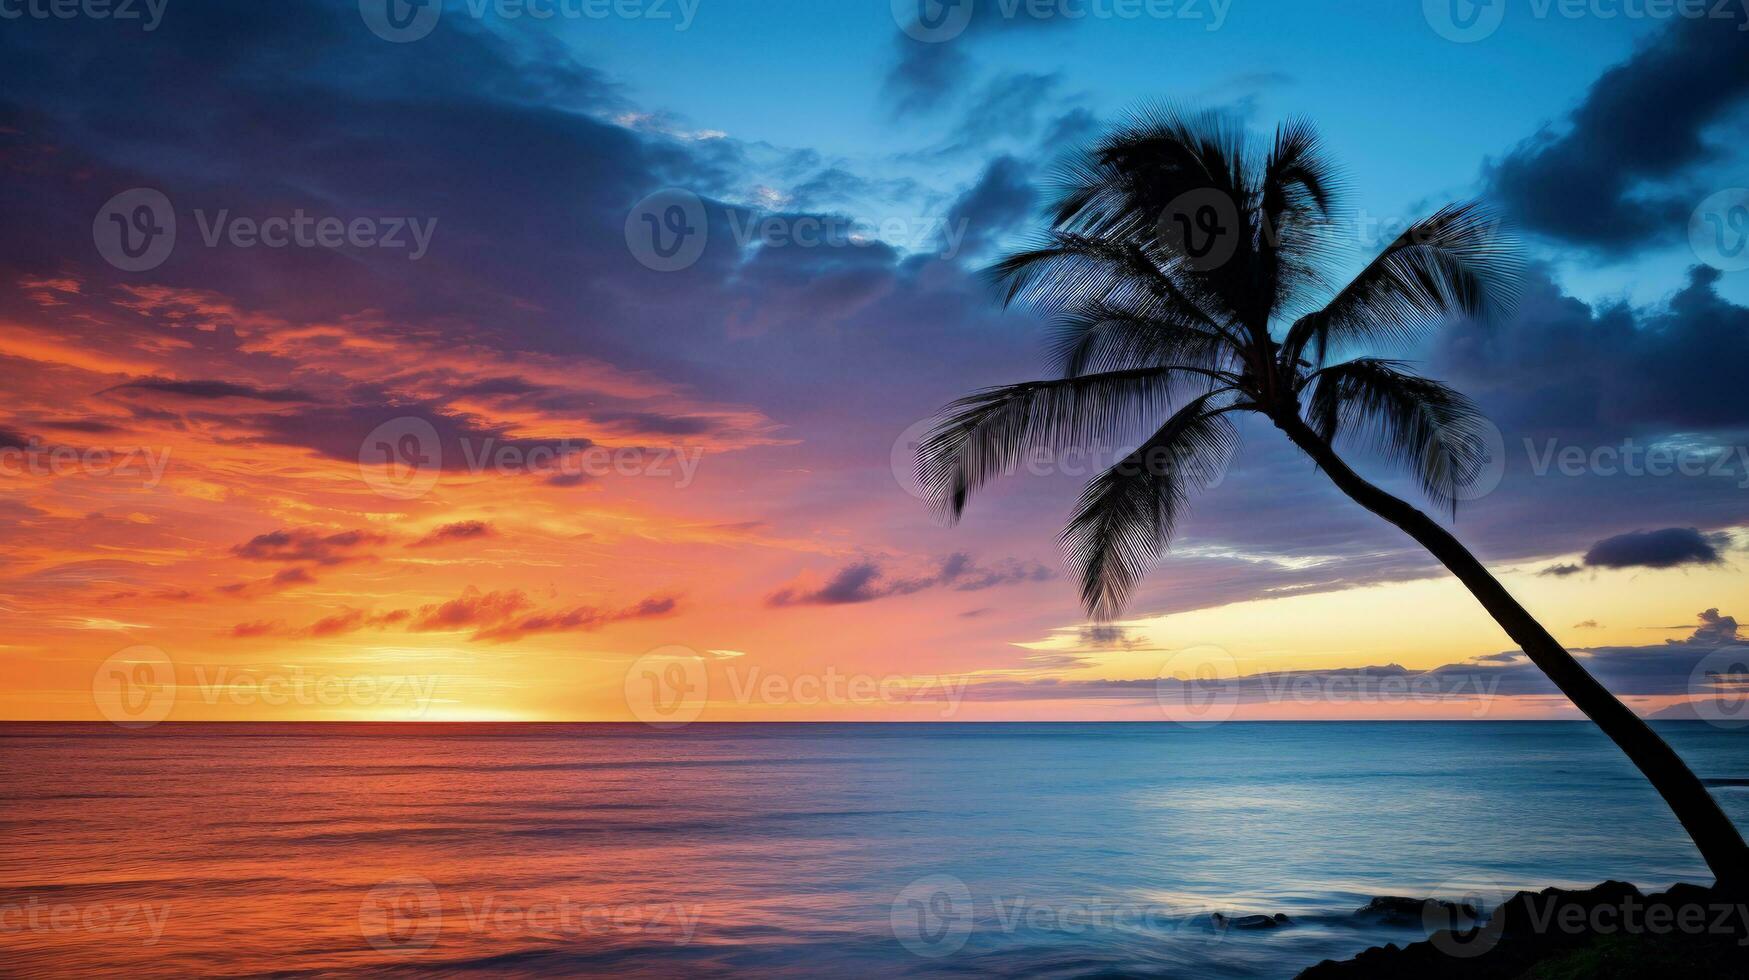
column 1067, row 850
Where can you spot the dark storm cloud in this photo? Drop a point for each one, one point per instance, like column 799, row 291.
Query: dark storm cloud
column 1599, row 383
column 1565, row 364
column 1643, row 123
column 997, row 205
column 1666, row 548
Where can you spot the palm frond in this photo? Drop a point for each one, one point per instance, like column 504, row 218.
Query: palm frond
column 984, row 434
column 1126, row 515
column 1429, row 428
column 1110, row 336
column 1455, row 262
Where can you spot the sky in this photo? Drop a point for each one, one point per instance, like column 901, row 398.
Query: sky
column 562, row 360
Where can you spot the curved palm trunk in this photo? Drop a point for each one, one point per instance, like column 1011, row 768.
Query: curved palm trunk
column 1719, row 841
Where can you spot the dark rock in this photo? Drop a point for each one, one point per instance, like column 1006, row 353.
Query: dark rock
column 1392, row 910
column 1612, row 930
column 1275, row 921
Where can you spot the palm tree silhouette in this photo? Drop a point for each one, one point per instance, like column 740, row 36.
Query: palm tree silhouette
column 1176, row 258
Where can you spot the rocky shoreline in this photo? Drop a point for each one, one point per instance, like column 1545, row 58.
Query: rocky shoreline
column 1612, row 930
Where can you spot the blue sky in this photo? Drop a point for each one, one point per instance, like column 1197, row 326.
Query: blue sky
column 1414, row 116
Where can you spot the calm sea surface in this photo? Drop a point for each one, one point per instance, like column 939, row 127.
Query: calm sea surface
column 847, row 850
